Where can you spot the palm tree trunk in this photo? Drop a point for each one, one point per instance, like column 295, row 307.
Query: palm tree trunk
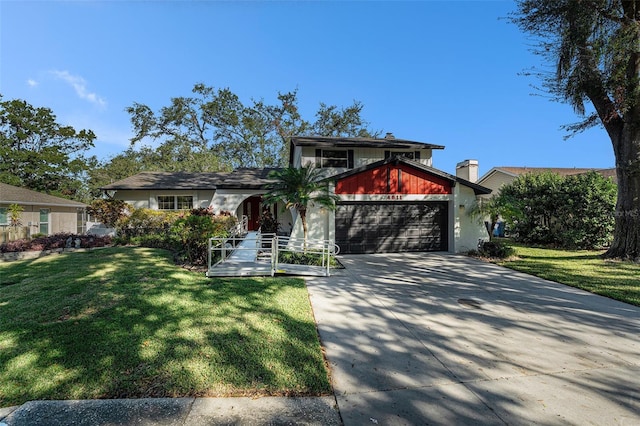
column 303, row 218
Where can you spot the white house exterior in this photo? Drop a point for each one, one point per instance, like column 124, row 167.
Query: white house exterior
column 391, row 197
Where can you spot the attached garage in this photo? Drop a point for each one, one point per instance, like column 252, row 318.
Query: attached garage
column 400, row 205
column 384, row 227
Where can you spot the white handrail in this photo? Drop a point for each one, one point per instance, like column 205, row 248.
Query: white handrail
column 274, row 245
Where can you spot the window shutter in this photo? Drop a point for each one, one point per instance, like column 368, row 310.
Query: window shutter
column 416, row 155
column 318, row 158
column 350, row 162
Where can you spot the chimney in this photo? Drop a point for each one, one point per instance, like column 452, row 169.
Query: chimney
column 389, row 135
column 468, row 170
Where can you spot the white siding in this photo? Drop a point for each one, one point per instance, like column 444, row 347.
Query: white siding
column 361, row 157
column 139, row 198
column 466, row 229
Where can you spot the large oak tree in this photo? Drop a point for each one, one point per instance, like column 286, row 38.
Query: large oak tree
column 216, row 124
column 595, row 47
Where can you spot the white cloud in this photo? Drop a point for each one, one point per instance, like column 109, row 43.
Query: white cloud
column 80, row 86
column 32, row 83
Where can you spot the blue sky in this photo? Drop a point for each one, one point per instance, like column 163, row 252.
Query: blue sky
column 443, row 72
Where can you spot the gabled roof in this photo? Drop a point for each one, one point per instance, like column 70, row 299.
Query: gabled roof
column 243, row 178
column 477, row 189
column 562, row 171
column 169, row 180
column 10, row 194
column 388, row 142
column 251, row 178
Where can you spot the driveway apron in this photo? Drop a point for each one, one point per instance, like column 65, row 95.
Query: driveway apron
column 435, row 338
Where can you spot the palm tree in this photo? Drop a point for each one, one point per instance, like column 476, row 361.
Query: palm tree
column 299, row 188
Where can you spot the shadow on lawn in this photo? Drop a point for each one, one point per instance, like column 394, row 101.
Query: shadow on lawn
column 617, row 280
column 123, row 323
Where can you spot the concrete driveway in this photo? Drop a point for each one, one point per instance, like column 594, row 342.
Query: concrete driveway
column 419, row 338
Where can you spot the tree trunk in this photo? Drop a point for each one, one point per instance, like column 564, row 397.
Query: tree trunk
column 626, row 239
column 303, row 218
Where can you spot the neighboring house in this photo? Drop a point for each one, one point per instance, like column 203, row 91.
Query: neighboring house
column 42, row 213
column 391, row 197
column 497, row 177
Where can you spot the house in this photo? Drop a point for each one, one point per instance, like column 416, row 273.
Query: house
column 42, row 213
column 497, row 177
column 392, row 199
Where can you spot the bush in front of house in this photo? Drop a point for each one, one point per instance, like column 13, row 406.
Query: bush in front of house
column 309, row 258
column 193, row 231
column 495, row 250
column 53, row 242
column 574, row 212
column 185, row 233
column 141, row 222
column 109, row 211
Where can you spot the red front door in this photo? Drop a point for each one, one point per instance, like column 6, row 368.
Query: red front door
column 251, row 209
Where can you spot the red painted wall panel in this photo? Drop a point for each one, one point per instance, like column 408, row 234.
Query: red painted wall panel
column 384, row 180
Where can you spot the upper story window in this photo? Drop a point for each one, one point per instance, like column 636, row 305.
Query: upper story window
column 175, row 202
column 334, row 158
column 411, row 155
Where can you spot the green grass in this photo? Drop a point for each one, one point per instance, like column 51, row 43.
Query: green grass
column 125, row 322
column 582, row 269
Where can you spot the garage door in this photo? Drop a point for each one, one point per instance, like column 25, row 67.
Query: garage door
column 369, row 227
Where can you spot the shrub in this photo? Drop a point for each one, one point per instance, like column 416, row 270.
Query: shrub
column 268, row 224
column 108, row 212
column 146, row 221
column 192, row 234
column 311, row 259
column 56, row 241
column 495, row 249
column 571, row 212
column 185, row 233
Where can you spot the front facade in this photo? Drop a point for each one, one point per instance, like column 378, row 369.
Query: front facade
column 391, row 197
column 41, row 214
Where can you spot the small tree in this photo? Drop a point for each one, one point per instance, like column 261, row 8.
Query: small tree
column 300, row 188
column 108, row 212
column 15, row 211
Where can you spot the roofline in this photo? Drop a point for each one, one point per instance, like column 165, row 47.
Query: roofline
column 29, row 203
column 477, row 189
column 157, row 188
column 495, row 170
column 350, row 142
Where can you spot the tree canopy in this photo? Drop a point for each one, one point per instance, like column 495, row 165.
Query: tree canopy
column 41, row 154
column 575, row 211
column 594, row 46
column 215, row 129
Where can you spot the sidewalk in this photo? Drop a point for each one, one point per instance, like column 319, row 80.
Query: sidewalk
column 175, row 411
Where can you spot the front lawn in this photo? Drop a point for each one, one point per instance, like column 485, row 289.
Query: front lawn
column 126, row 323
column 581, row 269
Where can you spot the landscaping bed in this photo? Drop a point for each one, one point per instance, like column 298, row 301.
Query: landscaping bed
column 124, row 322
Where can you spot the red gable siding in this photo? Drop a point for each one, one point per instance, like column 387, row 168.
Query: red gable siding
column 385, row 180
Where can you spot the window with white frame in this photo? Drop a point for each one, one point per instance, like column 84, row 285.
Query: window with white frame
column 411, row 155
column 175, row 202
column 334, row 158
column 4, row 220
